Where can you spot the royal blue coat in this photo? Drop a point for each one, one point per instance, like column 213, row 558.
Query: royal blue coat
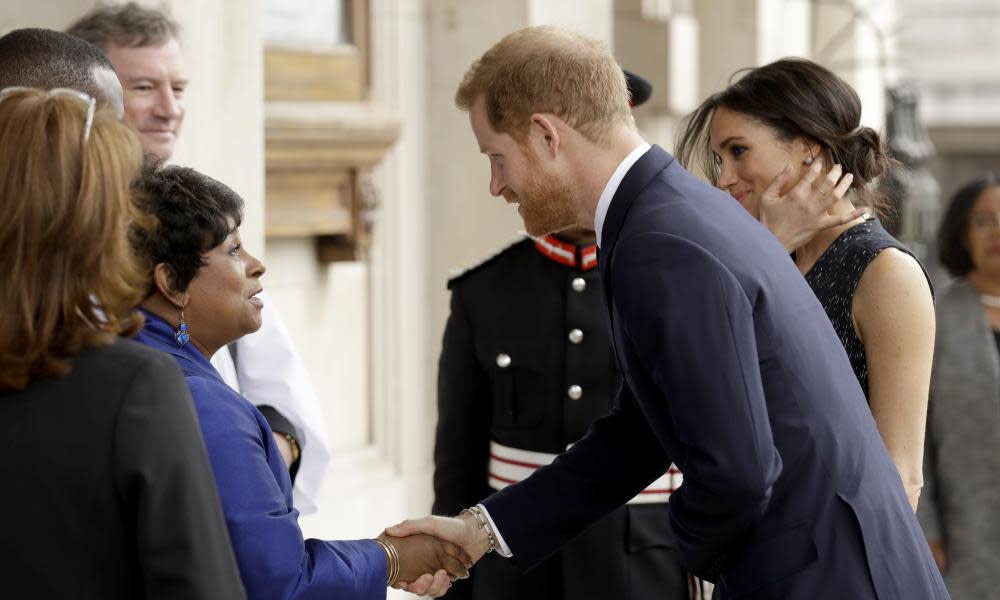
column 734, row 373
column 256, row 494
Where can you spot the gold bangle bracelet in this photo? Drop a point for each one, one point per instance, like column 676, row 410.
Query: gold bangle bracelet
column 392, row 559
column 294, row 444
column 390, row 563
column 395, row 561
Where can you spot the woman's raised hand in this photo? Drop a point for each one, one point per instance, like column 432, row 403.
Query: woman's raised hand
column 802, row 212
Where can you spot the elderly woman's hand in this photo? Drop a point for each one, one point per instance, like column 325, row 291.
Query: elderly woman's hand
column 797, row 216
column 428, row 565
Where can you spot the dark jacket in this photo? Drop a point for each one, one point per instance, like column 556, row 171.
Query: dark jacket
column 108, row 492
column 525, row 328
column 734, row 373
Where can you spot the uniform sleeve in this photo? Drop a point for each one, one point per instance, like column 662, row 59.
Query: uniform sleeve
column 274, row 560
column 461, row 444
column 279, row 424
column 163, row 473
column 461, row 448
column 617, row 458
column 271, row 373
column 691, row 326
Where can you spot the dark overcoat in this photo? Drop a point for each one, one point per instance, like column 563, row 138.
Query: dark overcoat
column 734, row 373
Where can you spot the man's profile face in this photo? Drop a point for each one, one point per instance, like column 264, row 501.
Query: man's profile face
column 153, row 79
column 544, row 202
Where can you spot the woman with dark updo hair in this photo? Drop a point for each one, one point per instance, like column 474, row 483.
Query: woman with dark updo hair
column 765, row 139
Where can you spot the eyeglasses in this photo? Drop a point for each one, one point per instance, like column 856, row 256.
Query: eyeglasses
column 85, row 98
column 984, row 221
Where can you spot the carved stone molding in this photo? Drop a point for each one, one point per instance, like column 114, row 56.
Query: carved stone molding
column 318, row 158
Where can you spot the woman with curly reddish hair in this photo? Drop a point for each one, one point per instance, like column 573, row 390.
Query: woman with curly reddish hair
column 109, row 493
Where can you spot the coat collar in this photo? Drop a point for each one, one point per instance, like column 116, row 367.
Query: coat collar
column 157, row 333
column 583, row 256
column 960, row 316
column 637, row 178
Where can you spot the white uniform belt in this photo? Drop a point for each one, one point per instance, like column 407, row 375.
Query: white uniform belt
column 510, row 465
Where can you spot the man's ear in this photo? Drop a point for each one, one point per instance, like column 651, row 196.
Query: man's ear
column 165, row 282
column 545, row 129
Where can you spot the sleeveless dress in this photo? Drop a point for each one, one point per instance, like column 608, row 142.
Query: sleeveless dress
column 835, row 277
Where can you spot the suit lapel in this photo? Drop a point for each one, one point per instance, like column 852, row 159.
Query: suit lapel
column 637, row 178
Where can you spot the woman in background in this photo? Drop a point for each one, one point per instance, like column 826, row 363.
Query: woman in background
column 108, row 492
column 781, row 123
column 960, row 512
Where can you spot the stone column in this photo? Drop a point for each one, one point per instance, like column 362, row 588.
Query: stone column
column 223, row 133
column 659, row 41
column 853, row 42
column 736, row 34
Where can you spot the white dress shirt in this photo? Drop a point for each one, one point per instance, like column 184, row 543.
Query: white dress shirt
column 609, row 190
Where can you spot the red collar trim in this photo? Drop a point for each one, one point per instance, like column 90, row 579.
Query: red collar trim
column 566, row 253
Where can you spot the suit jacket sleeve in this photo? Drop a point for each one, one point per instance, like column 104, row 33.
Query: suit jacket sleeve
column 163, row 472
column 274, row 559
column 691, row 326
column 617, row 458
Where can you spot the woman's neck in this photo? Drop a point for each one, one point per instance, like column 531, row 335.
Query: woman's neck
column 988, row 286
column 171, row 314
column 807, row 254
column 985, row 283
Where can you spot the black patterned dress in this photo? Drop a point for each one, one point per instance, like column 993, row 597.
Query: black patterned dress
column 835, row 277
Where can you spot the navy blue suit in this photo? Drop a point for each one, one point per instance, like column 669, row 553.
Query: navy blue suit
column 734, row 373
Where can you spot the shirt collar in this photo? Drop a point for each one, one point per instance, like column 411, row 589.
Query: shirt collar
column 609, row 190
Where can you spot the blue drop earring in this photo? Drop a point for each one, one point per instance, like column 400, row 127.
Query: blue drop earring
column 182, row 336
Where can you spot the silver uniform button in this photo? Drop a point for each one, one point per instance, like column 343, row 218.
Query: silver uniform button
column 575, row 336
column 503, row 360
column 579, row 284
column 575, row 392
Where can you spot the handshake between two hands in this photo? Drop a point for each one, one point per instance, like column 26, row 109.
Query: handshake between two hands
column 435, row 551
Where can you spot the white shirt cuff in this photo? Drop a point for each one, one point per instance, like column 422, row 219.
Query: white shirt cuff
column 502, row 548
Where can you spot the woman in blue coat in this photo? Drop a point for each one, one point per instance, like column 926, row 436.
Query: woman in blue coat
column 205, row 294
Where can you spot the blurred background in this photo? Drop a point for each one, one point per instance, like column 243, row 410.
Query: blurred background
column 365, row 189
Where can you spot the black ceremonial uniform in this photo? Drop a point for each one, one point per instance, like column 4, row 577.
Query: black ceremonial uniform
column 526, row 365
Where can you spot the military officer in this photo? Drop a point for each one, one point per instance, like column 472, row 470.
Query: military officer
column 526, row 365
